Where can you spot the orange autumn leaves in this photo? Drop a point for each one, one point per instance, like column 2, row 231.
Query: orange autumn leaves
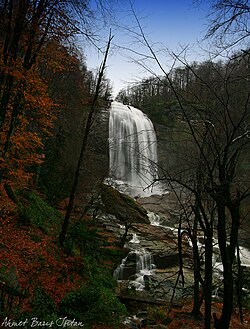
column 28, row 121
column 37, row 261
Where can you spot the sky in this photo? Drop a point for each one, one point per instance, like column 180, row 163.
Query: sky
column 167, row 24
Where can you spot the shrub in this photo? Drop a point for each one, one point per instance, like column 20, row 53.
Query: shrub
column 42, row 304
column 81, row 237
column 42, row 307
column 94, row 303
column 157, row 312
column 39, row 213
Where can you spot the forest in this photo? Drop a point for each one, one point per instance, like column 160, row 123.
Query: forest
column 57, row 256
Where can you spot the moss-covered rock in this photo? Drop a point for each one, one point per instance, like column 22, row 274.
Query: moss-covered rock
column 125, row 208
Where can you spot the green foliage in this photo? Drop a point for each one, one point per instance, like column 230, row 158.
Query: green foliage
column 113, row 255
column 39, row 213
column 53, row 181
column 42, row 307
column 9, row 276
column 82, row 239
column 95, row 302
column 42, row 304
column 157, row 312
column 166, row 113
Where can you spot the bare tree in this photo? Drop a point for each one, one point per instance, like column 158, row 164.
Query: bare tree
column 87, row 130
column 217, row 123
column 229, row 23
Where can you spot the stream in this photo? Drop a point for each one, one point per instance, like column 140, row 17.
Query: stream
column 149, row 272
column 149, row 269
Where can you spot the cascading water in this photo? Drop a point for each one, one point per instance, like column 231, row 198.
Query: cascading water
column 119, row 271
column 143, row 265
column 132, row 147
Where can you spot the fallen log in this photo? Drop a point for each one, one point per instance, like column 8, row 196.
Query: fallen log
column 124, row 298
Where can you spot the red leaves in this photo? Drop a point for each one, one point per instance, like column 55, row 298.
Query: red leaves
column 37, row 260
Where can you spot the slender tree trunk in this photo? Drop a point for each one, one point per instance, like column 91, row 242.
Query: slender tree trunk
column 198, row 298
column 239, row 284
column 224, row 321
column 11, row 44
column 196, row 304
column 13, row 121
column 124, row 237
column 5, row 97
column 208, row 277
column 198, row 282
column 227, row 255
column 89, row 123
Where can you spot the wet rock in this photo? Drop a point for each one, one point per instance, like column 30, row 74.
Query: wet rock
column 132, row 322
column 165, row 260
column 128, row 272
column 166, row 206
column 162, row 246
column 161, row 285
column 127, row 269
column 122, row 206
column 142, row 314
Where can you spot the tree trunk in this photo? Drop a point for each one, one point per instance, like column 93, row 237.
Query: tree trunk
column 198, row 298
column 227, row 255
column 89, row 123
column 239, row 283
column 208, row 277
column 5, row 97
column 224, row 321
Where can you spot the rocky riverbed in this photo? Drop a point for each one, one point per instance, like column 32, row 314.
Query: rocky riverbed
column 155, row 243
column 148, row 271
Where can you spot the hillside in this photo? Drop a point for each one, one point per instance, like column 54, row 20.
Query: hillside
column 43, row 280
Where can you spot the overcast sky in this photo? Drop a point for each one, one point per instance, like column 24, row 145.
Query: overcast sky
column 167, row 24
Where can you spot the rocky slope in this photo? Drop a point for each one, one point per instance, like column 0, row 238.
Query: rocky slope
column 153, row 241
column 153, row 245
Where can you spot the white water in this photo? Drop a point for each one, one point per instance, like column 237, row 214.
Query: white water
column 144, row 265
column 118, row 273
column 245, row 256
column 133, row 162
column 132, row 147
column 144, row 261
column 134, row 239
column 154, row 219
column 244, row 259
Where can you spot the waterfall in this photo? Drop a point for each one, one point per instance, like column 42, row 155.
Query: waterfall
column 119, row 271
column 245, row 256
column 132, row 146
column 134, row 239
column 144, row 261
column 144, row 266
column 135, row 265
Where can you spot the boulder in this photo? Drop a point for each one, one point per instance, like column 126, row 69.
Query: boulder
column 122, row 206
column 166, row 260
column 161, row 286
